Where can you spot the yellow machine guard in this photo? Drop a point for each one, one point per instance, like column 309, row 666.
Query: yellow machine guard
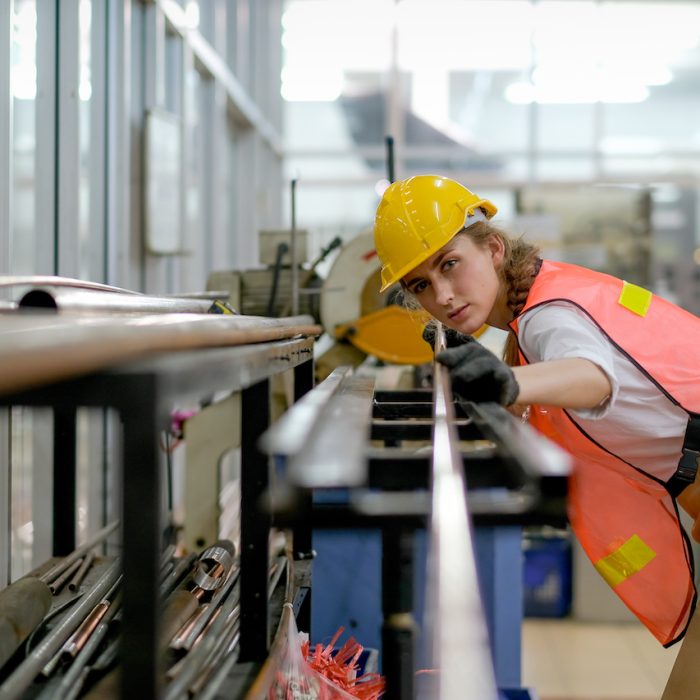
column 393, row 334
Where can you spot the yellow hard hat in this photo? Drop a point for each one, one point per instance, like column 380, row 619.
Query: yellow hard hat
column 417, row 216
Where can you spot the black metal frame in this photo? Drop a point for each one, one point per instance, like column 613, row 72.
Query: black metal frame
column 507, row 486
column 143, row 394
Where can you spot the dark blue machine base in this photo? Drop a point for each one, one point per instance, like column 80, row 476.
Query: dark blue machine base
column 347, row 592
column 516, row 694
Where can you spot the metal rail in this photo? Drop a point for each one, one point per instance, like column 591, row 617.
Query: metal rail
column 459, row 637
column 323, row 435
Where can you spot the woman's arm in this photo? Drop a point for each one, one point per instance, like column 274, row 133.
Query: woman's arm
column 568, row 383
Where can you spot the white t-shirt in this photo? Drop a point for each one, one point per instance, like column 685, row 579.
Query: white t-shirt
column 638, row 423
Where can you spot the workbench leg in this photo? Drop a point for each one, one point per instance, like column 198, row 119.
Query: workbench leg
column 255, row 525
column 64, row 480
column 142, row 536
column 302, row 536
column 398, row 628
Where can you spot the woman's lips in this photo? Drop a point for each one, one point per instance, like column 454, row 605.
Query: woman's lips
column 459, row 314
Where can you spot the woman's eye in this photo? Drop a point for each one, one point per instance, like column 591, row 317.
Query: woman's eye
column 448, row 264
column 419, row 287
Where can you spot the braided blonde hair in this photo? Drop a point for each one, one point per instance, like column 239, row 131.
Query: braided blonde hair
column 521, row 263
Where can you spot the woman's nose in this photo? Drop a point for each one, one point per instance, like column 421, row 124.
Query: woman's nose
column 443, row 292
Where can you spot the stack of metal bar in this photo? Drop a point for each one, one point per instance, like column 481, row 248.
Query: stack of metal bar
column 59, row 630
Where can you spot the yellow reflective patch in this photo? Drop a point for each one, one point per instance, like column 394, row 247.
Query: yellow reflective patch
column 634, row 298
column 628, row 559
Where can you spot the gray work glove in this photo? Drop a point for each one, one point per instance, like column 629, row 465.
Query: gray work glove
column 452, row 338
column 478, row 375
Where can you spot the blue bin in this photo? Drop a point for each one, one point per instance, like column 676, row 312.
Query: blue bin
column 546, row 576
column 516, row 694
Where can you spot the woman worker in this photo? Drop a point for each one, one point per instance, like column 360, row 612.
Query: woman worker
column 605, row 368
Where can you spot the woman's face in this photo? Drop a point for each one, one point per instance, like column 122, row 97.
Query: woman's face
column 460, row 286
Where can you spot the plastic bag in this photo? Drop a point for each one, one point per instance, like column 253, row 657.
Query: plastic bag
column 288, row 676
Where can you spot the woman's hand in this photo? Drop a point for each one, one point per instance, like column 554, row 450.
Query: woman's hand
column 478, row 375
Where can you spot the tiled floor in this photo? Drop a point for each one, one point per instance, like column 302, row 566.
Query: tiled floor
column 568, row 660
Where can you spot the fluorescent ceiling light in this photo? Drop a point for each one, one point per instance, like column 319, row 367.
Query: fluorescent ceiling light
column 623, row 145
column 311, row 83
column 584, row 92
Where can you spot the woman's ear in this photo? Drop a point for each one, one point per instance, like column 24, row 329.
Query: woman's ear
column 498, row 250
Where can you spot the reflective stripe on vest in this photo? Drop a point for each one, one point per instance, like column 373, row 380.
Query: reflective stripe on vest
column 625, row 519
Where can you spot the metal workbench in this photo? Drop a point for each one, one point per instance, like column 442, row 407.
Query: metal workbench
column 143, row 393
column 347, row 458
column 398, row 462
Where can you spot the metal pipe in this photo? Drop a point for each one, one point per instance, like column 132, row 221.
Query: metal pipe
column 81, row 572
column 178, row 641
column 201, row 622
column 166, row 570
column 34, row 351
column 168, row 554
column 222, row 671
column 72, row 682
column 222, row 554
column 52, row 281
column 178, row 572
column 23, row 605
column 57, row 584
column 227, row 644
column 78, row 552
column 69, row 299
column 200, row 652
column 79, row 638
column 22, row 677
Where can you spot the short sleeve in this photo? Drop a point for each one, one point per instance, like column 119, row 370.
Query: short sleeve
column 559, row 330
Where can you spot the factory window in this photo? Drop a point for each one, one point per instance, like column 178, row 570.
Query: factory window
column 589, row 88
column 24, row 142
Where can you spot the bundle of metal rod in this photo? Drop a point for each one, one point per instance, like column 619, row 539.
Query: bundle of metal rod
column 71, row 684
column 57, row 584
column 78, row 639
column 190, row 614
column 55, row 571
column 80, row 574
column 219, row 639
column 201, row 671
column 214, row 574
column 23, row 676
column 226, row 645
column 190, row 632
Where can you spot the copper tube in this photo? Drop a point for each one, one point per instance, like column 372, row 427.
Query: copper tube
column 80, row 573
column 78, row 639
column 178, row 640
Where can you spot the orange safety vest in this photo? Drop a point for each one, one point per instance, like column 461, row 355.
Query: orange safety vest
column 625, row 519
